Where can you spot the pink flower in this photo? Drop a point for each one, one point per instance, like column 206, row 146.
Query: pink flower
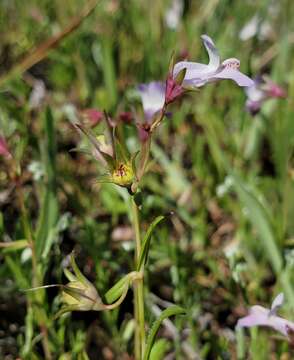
column 261, row 90
column 261, row 316
column 4, row 151
column 93, row 116
column 198, row 74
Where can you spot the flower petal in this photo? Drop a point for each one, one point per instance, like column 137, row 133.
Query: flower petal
column 152, row 97
column 195, row 83
column 193, row 69
column 236, row 75
column 214, row 58
column 277, row 303
column 280, row 324
column 258, row 315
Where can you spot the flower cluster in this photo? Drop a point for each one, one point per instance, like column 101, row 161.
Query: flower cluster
column 182, row 77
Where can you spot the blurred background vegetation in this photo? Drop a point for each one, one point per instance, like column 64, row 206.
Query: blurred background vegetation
column 227, row 176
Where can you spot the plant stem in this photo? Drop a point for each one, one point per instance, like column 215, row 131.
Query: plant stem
column 139, row 284
column 138, row 291
column 36, row 277
column 145, row 147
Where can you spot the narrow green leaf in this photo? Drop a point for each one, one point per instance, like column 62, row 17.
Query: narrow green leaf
column 159, row 349
column 122, row 155
column 80, row 276
column 115, row 292
column 29, row 320
column 171, row 311
column 17, row 272
column 49, row 204
column 109, row 160
column 171, row 62
column 103, row 178
column 180, row 77
column 63, row 310
column 13, row 245
column 120, row 142
column 69, row 275
column 146, row 242
column 108, row 69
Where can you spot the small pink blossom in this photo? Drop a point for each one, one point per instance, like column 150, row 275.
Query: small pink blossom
column 261, row 316
column 261, row 90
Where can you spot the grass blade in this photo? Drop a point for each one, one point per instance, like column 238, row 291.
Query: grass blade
column 49, row 208
column 146, row 242
column 171, row 311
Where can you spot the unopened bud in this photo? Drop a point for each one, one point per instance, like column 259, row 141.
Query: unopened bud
column 174, row 88
column 92, row 116
column 81, row 296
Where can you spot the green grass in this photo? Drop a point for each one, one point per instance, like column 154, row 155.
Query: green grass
column 227, row 177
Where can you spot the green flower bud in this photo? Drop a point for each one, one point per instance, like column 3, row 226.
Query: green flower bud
column 81, row 296
column 123, row 175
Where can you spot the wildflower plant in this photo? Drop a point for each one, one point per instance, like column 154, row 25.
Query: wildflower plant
column 119, row 164
column 125, row 170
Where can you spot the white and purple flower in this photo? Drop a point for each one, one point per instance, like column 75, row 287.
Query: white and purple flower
column 262, row 90
column 261, row 316
column 153, row 100
column 152, row 97
column 198, row 74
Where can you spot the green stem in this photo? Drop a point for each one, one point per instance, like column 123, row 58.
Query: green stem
column 139, row 284
column 36, row 278
column 145, row 148
column 138, row 291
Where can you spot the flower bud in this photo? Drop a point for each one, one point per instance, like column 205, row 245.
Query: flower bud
column 174, row 88
column 81, row 296
column 123, row 175
column 79, row 293
column 93, row 116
